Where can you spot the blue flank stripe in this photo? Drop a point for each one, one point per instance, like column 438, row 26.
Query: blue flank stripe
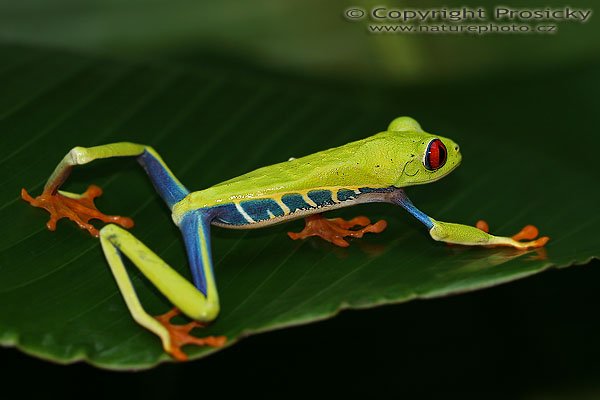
column 229, row 214
column 346, row 194
column 258, row 209
column 321, row 197
column 295, row 201
column 375, row 190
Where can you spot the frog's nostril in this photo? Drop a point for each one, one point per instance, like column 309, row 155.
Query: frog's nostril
column 456, row 148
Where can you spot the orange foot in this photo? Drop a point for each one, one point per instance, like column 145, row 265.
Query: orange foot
column 529, row 232
column 334, row 230
column 180, row 335
column 78, row 208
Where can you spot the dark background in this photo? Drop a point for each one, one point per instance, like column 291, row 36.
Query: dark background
column 535, row 339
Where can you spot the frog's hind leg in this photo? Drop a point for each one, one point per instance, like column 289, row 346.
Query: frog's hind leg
column 81, row 208
column 199, row 302
column 334, row 230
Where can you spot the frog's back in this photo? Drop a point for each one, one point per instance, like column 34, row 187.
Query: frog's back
column 353, row 165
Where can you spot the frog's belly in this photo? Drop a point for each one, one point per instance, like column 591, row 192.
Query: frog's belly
column 258, row 213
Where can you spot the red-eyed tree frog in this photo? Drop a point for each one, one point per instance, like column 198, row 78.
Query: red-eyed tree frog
column 375, row 169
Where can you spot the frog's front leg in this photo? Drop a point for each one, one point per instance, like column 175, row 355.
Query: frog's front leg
column 198, row 301
column 468, row 235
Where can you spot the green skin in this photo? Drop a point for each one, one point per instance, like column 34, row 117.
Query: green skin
column 384, row 163
column 390, row 158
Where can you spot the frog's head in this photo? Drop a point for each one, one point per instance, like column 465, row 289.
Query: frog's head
column 426, row 157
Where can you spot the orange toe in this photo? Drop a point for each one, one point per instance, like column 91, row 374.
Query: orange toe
column 528, row 232
column 483, row 225
column 540, row 242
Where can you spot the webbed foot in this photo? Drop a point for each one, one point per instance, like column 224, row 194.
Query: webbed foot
column 180, row 335
column 78, row 208
column 334, row 230
column 521, row 240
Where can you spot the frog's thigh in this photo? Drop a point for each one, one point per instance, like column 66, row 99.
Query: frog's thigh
column 201, row 306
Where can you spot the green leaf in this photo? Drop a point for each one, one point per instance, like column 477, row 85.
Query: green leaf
column 529, row 157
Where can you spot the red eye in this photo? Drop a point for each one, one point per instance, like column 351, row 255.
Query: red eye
column 436, row 155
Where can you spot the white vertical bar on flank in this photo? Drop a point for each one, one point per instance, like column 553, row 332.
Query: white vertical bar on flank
column 244, row 213
column 334, row 196
column 284, row 207
column 308, row 200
